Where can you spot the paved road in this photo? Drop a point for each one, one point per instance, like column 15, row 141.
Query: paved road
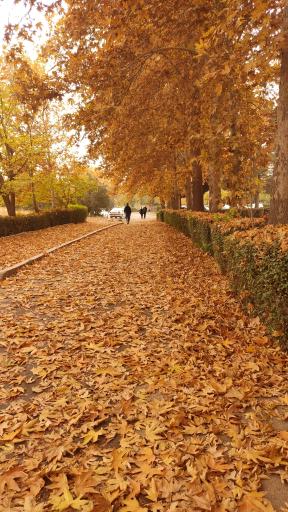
column 130, row 376
column 149, row 217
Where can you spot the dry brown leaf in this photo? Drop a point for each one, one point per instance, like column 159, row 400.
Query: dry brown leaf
column 100, row 503
column 132, row 505
column 8, row 480
column 251, row 503
column 283, row 435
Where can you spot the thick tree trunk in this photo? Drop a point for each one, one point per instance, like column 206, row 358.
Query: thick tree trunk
column 279, row 202
column 188, row 192
column 10, row 203
column 174, row 201
column 214, row 190
column 197, row 188
column 9, row 199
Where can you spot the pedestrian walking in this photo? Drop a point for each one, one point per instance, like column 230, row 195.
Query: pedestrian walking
column 141, row 212
column 127, row 211
column 144, row 211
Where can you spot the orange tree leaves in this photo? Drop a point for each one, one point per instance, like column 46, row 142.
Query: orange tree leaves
column 157, row 80
column 164, row 84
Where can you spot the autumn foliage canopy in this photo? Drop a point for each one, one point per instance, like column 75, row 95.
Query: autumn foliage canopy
column 175, row 94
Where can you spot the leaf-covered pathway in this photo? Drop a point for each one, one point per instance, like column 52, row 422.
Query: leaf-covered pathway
column 16, row 248
column 130, row 376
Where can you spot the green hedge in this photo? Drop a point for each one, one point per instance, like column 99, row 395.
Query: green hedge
column 260, row 274
column 13, row 225
column 257, row 273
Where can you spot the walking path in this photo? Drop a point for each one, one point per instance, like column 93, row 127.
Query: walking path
column 16, row 248
column 130, row 376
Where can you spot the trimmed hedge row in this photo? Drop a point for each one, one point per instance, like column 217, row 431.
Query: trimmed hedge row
column 14, row 225
column 257, row 273
column 253, row 212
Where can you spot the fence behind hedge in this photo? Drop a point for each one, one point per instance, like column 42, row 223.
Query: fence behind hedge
column 14, row 225
column 257, row 272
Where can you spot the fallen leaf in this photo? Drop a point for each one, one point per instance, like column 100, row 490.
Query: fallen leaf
column 132, row 505
column 8, row 480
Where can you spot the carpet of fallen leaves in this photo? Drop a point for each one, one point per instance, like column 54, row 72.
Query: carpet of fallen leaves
column 131, row 381
column 16, row 248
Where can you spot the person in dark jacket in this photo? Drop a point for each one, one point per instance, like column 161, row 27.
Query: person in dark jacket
column 141, row 212
column 127, row 211
column 144, row 211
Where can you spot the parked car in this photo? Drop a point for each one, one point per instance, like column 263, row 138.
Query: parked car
column 117, row 213
column 104, row 213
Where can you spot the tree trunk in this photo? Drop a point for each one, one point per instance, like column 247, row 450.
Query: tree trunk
column 214, row 190
column 279, row 201
column 257, row 199
column 33, row 194
column 236, row 171
column 34, row 200
column 188, row 192
column 13, row 203
column 197, row 188
column 236, row 165
column 174, row 201
column 10, row 203
column 53, row 199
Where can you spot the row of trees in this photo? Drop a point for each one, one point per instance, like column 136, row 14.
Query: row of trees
column 38, row 164
column 179, row 95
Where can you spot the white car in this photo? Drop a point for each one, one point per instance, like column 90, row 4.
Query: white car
column 104, row 213
column 117, row 213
